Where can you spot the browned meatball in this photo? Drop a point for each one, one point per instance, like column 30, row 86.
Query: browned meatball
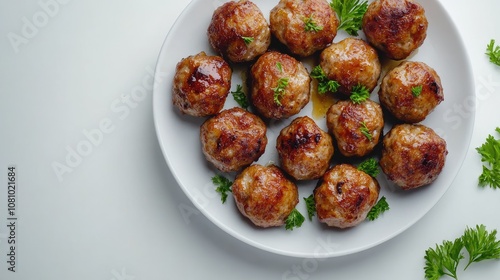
column 280, row 85
column 304, row 26
column 239, row 31
column 357, row 128
column 395, row 27
column 345, row 195
column 411, row 91
column 413, row 155
column 351, row 62
column 264, row 195
column 304, row 149
column 201, row 84
column 233, row 139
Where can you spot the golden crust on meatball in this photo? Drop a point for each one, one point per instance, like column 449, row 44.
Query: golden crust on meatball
column 264, row 195
column 357, row 128
column 411, row 91
column 201, row 84
column 351, row 62
column 344, row 196
column 239, row 31
column 413, row 155
column 304, row 26
column 233, row 139
column 304, row 149
column 280, row 85
column 395, row 27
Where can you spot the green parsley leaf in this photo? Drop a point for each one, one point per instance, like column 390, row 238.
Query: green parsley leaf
column 294, row 220
column 359, row 94
column 240, row 97
column 443, row 260
column 311, row 25
column 490, row 154
column 247, row 40
column 279, row 66
column 481, row 244
column 279, row 90
column 370, row 167
column 324, row 84
column 493, row 52
column 350, row 13
column 378, row 209
column 365, row 131
column 311, row 206
column 416, row 90
column 223, row 186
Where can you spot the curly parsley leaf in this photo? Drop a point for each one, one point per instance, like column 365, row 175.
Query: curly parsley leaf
column 443, row 260
column 294, row 220
column 416, row 90
column 350, row 13
column 311, row 25
column 240, row 97
column 279, row 90
column 311, row 206
column 378, row 209
column 359, row 94
column 481, row 244
column 324, row 84
column 493, row 52
column 370, row 167
column 247, row 40
column 365, row 131
column 223, row 186
column 490, row 154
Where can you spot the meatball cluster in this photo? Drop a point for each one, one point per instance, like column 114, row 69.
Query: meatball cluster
column 411, row 91
column 233, row 139
column 201, row 84
column 351, row 62
column 280, row 85
column 264, row 195
column 304, row 26
column 413, row 155
column 395, row 27
column 304, row 149
column 239, row 31
column 357, row 128
column 344, row 196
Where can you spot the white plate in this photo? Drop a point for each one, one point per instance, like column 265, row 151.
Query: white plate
column 179, row 140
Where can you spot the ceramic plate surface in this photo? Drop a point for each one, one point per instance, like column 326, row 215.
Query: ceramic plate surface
column 178, row 137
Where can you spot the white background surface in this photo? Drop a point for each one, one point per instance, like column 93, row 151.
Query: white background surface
column 119, row 213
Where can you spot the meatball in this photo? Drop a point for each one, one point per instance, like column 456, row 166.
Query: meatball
column 344, row 196
column 395, row 27
column 239, row 31
column 413, row 155
column 411, row 91
column 280, row 85
column 264, row 195
column 233, row 139
column 304, row 26
column 357, row 128
column 201, row 85
column 351, row 62
column 304, row 149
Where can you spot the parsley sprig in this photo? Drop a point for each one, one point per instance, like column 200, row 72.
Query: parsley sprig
column 444, row 258
column 490, row 154
column 311, row 25
column 311, row 206
column 378, row 209
column 240, row 97
column 324, row 84
column 350, row 13
column 370, row 167
column 416, row 90
column 365, row 131
column 279, row 90
column 493, row 52
column 294, row 220
column 247, row 40
column 359, row 94
column 223, row 186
